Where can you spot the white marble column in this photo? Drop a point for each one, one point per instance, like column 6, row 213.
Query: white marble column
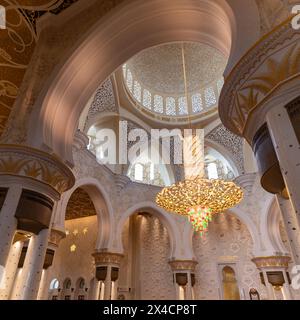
column 11, row 270
column 286, row 287
column 291, row 226
column 107, row 284
column 270, row 290
column 101, row 291
column 53, row 243
column 96, row 290
column 189, row 287
column 8, row 224
column 287, row 149
column 42, row 287
column 29, row 281
column 177, row 288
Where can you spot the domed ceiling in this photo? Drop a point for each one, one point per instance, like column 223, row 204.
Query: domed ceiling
column 155, row 79
column 160, row 69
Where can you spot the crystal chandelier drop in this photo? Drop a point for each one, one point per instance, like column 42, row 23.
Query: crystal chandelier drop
column 198, row 198
column 199, row 218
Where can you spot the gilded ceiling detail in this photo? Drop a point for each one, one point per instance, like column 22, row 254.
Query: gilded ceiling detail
column 53, row 43
column 35, row 164
column 271, row 62
column 80, row 205
column 20, row 38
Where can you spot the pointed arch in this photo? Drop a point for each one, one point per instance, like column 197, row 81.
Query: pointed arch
column 166, row 218
column 102, row 205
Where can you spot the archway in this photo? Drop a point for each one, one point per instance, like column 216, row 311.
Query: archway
column 147, row 241
column 66, row 293
column 165, row 218
column 102, row 204
column 215, row 23
column 85, row 214
column 230, row 284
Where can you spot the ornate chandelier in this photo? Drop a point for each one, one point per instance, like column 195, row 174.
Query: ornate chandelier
column 214, row 195
column 198, row 198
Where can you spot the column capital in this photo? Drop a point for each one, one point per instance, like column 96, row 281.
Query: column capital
column 27, row 162
column 272, row 262
column 183, row 265
column 55, row 237
column 107, row 258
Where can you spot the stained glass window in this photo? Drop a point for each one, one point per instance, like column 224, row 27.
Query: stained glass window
column 182, row 106
column 147, row 99
column 170, row 106
column 197, row 103
column 210, row 97
column 158, row 104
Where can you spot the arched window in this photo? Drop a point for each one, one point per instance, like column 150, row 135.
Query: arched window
column 66, row 293
column 217, row 166
column 147, row 99
column 100, row 152
column 129, row 80
column 137, row 91
column 139, row 172
column 67, row 284
column 197, row 103
column 230, row 285
column 170, row 106
column 212, row 171
column 54, row 284
column 81, row 283
column 210, row 97
column 158, row 104
column 182, row 106
column 80, row 292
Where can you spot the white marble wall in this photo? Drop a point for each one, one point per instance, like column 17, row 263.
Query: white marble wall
column 227, row 242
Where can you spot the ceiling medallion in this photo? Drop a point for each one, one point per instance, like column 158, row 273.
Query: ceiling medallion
column 198, row 198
